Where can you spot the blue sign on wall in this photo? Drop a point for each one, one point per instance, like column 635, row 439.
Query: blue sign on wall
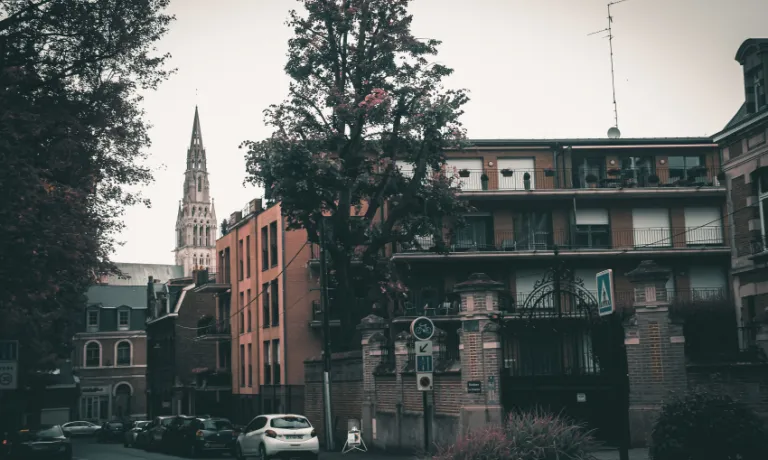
column 605, row 299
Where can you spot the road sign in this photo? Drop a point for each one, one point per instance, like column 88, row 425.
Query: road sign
column 422, row 328
column 8, row 375
column 474, row 386
column 424, row 381
column 424, row 364
column 423, row 348
column 605, row 298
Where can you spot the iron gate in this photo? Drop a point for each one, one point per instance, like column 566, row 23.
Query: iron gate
column 560, row 356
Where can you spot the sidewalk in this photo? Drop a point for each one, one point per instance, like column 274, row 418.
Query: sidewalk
column 634, row 454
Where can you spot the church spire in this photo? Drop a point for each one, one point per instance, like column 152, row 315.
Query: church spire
column 196, row 153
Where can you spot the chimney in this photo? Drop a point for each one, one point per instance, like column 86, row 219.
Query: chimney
column 235, row 217
column 200, row 277
column 256, row 205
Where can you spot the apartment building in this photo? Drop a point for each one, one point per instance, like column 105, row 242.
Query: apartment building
column 264, row 309
column 744, row 149
column 585, row 204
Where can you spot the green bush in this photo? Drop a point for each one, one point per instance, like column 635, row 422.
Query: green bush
column 708, row 426
column 536, row 435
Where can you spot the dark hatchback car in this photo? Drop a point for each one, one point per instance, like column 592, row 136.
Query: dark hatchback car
column 206, row 435
column 111, row 432
column 42, row 442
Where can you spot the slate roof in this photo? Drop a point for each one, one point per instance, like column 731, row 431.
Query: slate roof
column 115, row 296
column 138, row 274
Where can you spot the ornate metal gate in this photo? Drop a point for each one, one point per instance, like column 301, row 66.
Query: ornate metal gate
column 559, row 355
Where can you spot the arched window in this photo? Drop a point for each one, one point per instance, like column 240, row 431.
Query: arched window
column 123, row 393
column 123, row 353
column 207, row 236
column 199, row 184
column 194, row 263
column 207, row 261
column 92, row 354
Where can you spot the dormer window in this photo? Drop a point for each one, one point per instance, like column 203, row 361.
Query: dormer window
column 124, row 319
column 92, row 320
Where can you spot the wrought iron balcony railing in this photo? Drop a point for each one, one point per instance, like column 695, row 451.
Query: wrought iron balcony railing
column 214, row 328
column 493, row 179
column 580, row 238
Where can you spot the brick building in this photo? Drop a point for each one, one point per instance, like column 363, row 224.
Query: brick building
column 184, row 375
column 743, row 150
column 264, row 310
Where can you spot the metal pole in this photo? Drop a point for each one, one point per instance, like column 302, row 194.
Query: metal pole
column 426, row 421
column 326, row 339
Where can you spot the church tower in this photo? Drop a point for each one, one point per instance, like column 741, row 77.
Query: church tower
column 196, row 221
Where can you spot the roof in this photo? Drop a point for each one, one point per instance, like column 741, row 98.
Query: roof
column 138, row 274
column 117, row 296
column 760, row 43
column 639, row 141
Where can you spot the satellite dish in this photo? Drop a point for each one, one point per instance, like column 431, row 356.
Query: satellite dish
column 614, row 133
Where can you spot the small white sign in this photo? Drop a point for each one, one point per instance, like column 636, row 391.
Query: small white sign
column 353, row 438
column 581, row 397
column 423, row 348
column 8, row 375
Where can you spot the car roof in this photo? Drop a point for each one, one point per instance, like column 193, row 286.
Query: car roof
column 283, row 415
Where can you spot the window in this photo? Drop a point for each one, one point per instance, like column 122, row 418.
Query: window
column 124, row 320
column 92, row 320
column 592, row 168
column 592, row 228
column 472, row 165
column 651, row 228
column 225, row 266
column 686, row 168
column 276, row 362
column 242, row 365
column 265, row 305
column 275, row 303
column 241, row 308
column 248, row 309
column 224, row 350
column 124, row 354
column 264, row 248
column 638, row 170
column 762, row 190
column 250, row 367
column 708, row 283
column 267, row 365
column 240, row 262
column 199, row 184
column 477, row 235
column 94, row 407
column 703, row 226
column 273, row 242
column 533, row 231
column 92, row 354
column 512, row 173
column 755, row 89
column 248, row 256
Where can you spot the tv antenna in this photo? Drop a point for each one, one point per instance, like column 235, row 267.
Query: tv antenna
column 613, row 132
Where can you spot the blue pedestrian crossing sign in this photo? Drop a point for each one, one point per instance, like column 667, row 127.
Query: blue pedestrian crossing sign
column 424, row 364
column 605, row 301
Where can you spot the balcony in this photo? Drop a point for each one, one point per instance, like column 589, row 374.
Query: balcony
column 210, row 329
column 317, row 317
column 217, row 282
column 576, row 242
column 566, row 182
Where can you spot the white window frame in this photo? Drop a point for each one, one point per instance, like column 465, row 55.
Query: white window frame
column 710, row 233
column 652, row 237
column 92, row 327
column 130, row 353
column 85, row 353
column 127, row 326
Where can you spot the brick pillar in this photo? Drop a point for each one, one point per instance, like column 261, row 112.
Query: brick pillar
column 373, row 342
column 480, row 350
column 655, row 351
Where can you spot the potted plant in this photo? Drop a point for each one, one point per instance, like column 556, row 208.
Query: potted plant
column 721, row 176
column 591, row 180
column 484, row 181
column 653, row 179
column 549, row 173
column 464, row 173
column 697, row 171
column 614, row 172
column 506, row 172
column 527, row 181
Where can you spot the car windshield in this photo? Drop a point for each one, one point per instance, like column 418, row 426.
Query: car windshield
column 43, row 432
column 166, row 422
column 141, row 424
column 217, row 425
column 290, row 423
column 115, row 426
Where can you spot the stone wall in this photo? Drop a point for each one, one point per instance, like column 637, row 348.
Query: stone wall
column 747, row 383
column 346, row 393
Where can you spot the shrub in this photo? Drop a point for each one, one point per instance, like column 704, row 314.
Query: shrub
column 704, row 426
column 535, row 435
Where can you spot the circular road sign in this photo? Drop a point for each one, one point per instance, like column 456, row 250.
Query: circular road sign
column 425, row 381
column 6, row 379
column 422, row 328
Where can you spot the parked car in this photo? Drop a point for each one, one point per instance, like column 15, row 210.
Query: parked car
column 278, row 434
column 111, row 432
column 155, row 437
column 205, row 435
column 130, row 435
column 40, row 442
column 80, row 428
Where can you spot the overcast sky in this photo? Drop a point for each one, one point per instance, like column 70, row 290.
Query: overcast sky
column 530, row 66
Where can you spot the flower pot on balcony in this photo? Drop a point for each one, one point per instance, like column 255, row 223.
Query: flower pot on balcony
column 484, row 181
column 527, row 181
column 614, row 172
column 653, row 179
column 507, row 172
column 464, row 173
column 591, row 179
column 721, row 176
column 549, row 173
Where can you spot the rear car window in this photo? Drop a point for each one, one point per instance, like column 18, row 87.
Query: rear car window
column 116, row 426
column 45, row 432
column 142, row 424
column 290, row 423
column 217, row 425
column 166, row 422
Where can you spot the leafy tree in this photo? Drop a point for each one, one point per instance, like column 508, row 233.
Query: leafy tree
column 71, row 150
column 363, row 95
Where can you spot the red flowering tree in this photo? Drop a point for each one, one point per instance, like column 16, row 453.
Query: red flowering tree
column 71, row 151
column 361, row 138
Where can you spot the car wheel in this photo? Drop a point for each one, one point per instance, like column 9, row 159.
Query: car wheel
column 263, row 452
column 192, row 450
column 239, row 453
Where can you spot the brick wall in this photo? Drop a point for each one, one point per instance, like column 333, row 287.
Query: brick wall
column 386, row 393
column 448, row 393
column 190, row 353
column 346, row 392
column 740, row 192
column 747, row 383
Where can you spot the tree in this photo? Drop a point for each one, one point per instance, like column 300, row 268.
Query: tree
column 363, row 96
column 72, row 136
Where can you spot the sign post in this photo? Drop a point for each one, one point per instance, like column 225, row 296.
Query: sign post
column 422, row 329
column 606, row 303
column 354, row 442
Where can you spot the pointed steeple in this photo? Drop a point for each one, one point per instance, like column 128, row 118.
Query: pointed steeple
column 196, row 153
column 197, row 133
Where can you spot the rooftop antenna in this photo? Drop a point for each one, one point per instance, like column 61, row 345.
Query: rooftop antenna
column 613, row 132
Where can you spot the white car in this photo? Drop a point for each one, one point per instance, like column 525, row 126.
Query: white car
column 277, row 434
column 80, row 428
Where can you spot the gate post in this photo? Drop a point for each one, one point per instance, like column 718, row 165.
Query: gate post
column 371, row 329
column 655, row 351
column 480, row 352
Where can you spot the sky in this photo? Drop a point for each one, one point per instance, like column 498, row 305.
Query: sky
column 532, row 69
